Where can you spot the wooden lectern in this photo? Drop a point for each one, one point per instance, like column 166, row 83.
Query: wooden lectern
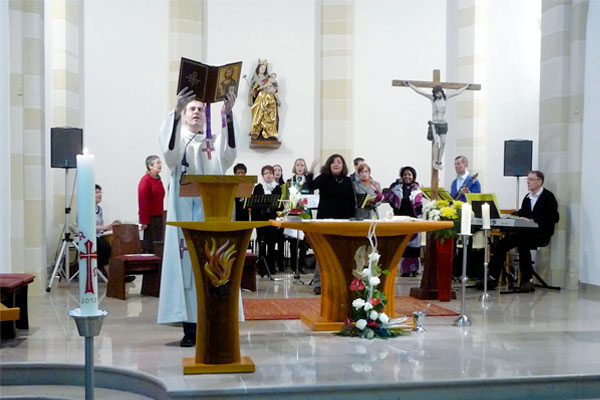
column 217, row 250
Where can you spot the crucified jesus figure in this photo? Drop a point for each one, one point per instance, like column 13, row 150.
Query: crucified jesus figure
column 438, row 126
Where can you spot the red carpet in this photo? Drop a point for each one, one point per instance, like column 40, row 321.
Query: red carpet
column 269, row 309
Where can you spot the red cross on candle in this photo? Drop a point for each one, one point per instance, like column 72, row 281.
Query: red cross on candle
column 182, row 248
column 89, row 255
column 208, row 150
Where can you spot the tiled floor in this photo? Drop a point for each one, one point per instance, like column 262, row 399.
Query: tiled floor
column 541, row 334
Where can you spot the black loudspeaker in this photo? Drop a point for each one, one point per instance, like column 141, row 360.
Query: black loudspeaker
column 517, row 157
column 65, row 144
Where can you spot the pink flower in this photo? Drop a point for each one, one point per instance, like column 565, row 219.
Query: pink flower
column 357, row 284
column 375, row 301
column 373, row 324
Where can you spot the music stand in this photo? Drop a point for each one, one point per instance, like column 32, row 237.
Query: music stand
column 476, row 200
column 442, row 194
column 260, row 201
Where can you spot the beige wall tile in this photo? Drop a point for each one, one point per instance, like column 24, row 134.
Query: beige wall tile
column 16, row 89
column 65, row 80
column 189, row 26
column 33, row 119
column 33, row 6
column 565, row 109
column 337, row 12
column 336, row 27
column 34, row 223
column 336, row 109
column 16, row 175
column 16, row 254
column 336, row 89
column 554, row 45
column 466, row 17
column 33, row 51
column 550, row 4
column 191, row 10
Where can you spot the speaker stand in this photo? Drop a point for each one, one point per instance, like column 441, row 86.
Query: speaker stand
column 517, row 191
column 62, row 270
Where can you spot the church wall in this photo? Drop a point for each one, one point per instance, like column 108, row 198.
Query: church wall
column 284, row 33
column 506, row 63
column 590, row 192
column 396, row 40
column 125, row 85
column 4, row 141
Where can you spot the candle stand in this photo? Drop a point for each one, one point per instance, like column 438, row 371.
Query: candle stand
column 485, row 297
column 88, row 326
column 463, row 320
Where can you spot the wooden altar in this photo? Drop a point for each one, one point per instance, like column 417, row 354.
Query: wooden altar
column 335, row 243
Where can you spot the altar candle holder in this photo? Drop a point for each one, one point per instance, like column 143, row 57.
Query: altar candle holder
column 463, row 320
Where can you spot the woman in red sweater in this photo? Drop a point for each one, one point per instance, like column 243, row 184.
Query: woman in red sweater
column 151, row 194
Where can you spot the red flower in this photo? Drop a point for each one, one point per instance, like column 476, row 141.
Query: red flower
column 357, row 284
column 373, row 324
column 303, row 201
column 374, row 301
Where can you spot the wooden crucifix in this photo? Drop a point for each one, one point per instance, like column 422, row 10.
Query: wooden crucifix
column 438, row 127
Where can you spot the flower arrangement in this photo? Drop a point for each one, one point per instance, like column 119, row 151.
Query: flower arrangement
column 296, row 205
column 443, row 210
column 367, row 318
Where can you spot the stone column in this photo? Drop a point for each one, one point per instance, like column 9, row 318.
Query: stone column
column 27, row 219
column 561, row 112
column 187, row 37
column 337, row 71
column 468, row 66
column 64, row 105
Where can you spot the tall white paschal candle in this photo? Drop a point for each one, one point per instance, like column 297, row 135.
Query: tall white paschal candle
column 86, row 222
column 485, row 216
column 465, row 219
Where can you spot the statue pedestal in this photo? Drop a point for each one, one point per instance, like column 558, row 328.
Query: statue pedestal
column 264, row 144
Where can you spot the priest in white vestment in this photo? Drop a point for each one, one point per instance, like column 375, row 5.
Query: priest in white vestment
column 188, row 149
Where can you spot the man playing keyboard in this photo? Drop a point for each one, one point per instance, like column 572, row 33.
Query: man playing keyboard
column 540, row 206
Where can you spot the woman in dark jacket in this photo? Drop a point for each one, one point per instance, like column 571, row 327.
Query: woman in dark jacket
column 336, row 193
column 336, row 197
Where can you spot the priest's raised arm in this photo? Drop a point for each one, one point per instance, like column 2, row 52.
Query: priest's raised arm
column 183, row 140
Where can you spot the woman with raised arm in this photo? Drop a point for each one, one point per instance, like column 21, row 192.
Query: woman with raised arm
column 336, row 196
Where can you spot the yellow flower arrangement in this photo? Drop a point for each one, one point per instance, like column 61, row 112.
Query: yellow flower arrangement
column 443, row 210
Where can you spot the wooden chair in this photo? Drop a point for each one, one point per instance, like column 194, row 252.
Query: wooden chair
column 127, row 260
column 13, row 303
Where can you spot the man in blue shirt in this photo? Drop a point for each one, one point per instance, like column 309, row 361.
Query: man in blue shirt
column 463, row 182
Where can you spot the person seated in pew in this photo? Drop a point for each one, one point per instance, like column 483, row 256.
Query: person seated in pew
column 103, row 247
column 541, row 206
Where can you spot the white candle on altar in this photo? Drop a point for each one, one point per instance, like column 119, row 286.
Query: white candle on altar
column 485, row 215
column 86, row 223
column 465, row 219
